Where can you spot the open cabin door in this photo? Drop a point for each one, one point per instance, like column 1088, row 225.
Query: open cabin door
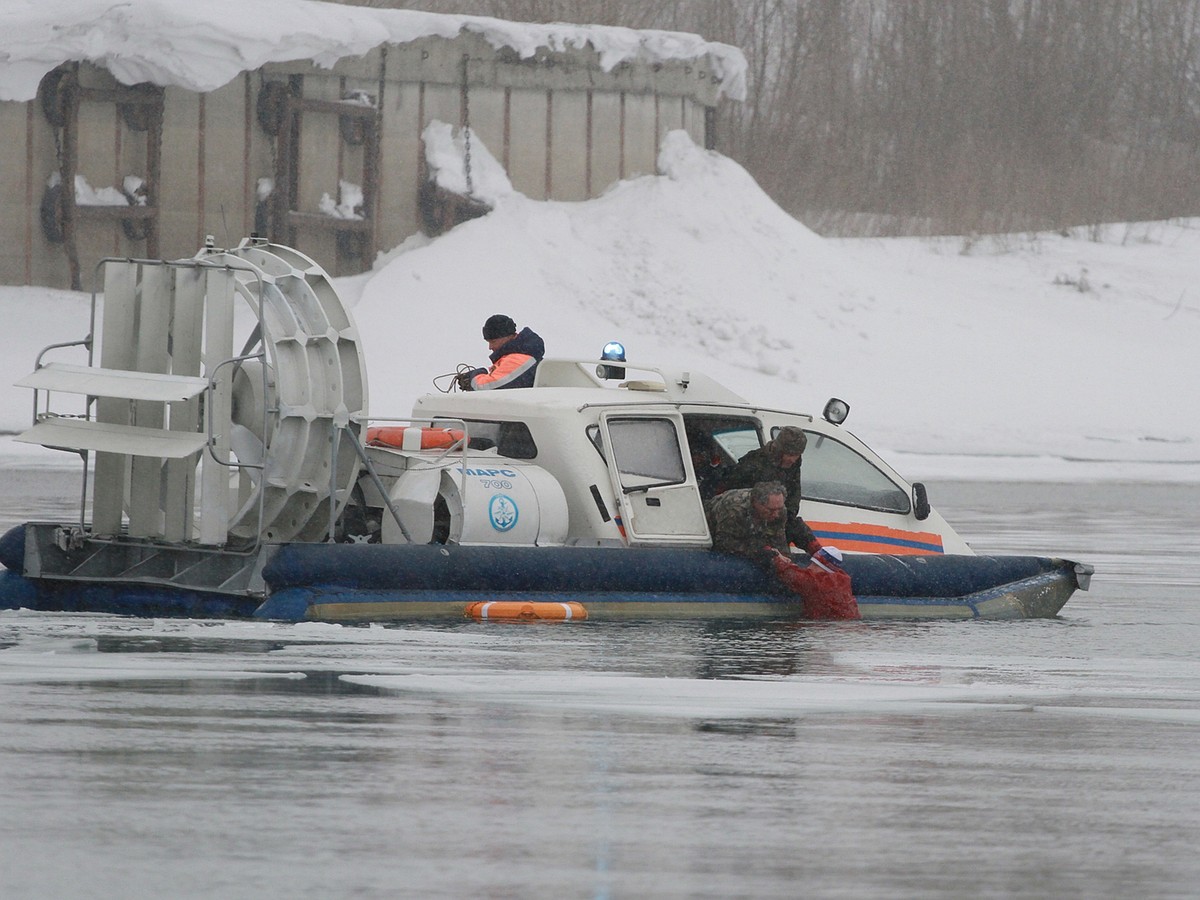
column 653, row 479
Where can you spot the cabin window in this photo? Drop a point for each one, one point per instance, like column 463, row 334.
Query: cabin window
column 737, row 440
column 646, row 448
column 511, row 439
column 834, row 473
column 716, row 442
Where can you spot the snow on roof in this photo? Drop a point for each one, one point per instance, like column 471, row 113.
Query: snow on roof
column 202, row 46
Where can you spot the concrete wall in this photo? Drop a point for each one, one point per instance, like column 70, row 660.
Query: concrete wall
column 563, row 128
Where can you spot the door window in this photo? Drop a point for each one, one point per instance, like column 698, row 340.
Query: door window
column 646, row 451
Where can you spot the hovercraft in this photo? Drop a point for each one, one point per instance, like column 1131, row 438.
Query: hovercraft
column 231, row 468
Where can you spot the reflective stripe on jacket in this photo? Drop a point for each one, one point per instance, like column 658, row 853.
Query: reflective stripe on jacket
column 511, row 368
column 513, row 365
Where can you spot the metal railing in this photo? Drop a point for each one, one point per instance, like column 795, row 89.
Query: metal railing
column 462, row 445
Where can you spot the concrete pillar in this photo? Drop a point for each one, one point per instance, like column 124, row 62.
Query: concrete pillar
column 527, row 142
column 568, row 145
column 605, row 141
column 400, row 155
column 180, row 231
column 641, row 135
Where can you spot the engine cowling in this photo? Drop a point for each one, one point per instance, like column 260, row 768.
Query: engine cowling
column 484, row 502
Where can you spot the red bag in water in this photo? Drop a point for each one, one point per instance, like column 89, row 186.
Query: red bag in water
column 824, row 590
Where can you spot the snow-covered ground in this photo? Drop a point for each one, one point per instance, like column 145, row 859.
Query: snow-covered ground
column 1048, row 356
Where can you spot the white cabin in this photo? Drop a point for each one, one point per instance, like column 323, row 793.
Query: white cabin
column 586, row 460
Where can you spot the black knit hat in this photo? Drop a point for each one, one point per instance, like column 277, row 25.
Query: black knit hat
column 497, row 327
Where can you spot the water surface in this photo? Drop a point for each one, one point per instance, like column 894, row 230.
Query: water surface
column 149, row 758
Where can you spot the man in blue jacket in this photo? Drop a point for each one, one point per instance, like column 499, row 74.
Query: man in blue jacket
column 514, row 357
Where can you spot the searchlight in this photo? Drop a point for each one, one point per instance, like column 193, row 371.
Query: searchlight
column 836, row 411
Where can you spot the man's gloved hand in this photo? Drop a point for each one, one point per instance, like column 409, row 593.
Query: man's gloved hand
column 463, row 380
column 829, row 557
column 777, row 559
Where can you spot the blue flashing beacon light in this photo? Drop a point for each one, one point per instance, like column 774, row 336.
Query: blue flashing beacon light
column 615, row 351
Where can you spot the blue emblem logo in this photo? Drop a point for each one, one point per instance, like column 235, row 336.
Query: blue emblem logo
column 503, row 512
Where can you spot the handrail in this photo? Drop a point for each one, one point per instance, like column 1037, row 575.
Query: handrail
column 594, row 362
column 378, row 482
column 38, row 364
column 210, row 437
column 717, row 404
column 463, row 445
column 208, row 423
column 85, row 342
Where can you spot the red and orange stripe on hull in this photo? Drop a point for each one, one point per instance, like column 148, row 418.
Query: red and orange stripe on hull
column 858, row 537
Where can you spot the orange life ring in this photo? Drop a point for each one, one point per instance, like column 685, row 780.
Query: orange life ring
column 524, row 610
column 413, row 437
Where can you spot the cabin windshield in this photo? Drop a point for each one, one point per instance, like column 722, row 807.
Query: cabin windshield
column 834, row 473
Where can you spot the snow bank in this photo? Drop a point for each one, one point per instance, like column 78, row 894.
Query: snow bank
column 992, row 354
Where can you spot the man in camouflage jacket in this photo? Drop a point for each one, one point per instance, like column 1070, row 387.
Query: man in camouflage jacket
column 749, row 522
column 778, row 460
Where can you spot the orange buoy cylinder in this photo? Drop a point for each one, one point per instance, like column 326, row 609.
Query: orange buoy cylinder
column 413, row 437
column 525, row 611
